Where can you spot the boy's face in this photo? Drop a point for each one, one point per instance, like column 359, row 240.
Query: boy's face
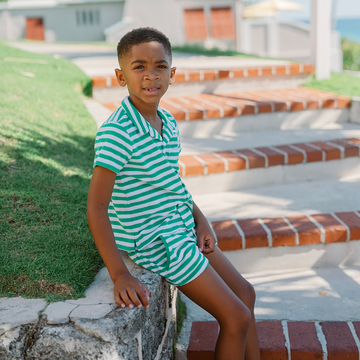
column 146, row 71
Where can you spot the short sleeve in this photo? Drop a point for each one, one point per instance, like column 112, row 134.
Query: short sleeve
column 113, row 147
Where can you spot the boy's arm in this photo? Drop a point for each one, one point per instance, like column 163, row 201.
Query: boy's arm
column 127, row 289
column 205, row 236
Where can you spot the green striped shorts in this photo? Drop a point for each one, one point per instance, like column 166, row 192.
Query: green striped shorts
column 176, row 257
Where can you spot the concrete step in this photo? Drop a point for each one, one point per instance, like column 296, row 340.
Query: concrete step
column 208, row 114
column 232, row 140
column 249, row 168
column 290, row 242
column 216, row 80
column 286, row 340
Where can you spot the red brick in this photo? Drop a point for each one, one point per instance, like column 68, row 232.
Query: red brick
column 193, row 166
column 340, row 341
column 308, row 68
column 328, row 100
column 255, row 235
column 278, row 103
column 203, row 338
column 334, row 231
column 350, row 150
column 294, row 69
column 178, row 114
column 332, row 153
column 353, row 140
column 263, row 106
column 227, row 234
column 253, row 72
column 98, row 81
column 274, row 157
column 224, row 74
column 311, row 153
column 357, row 328
column 114, row 81
column 235, row 162
column 266, row 71
column 238, row 73
column 214, row 164
column 294, row 156
column 193, row 75
column 194, row 113
column 281, row 70
column 312, row 102
column 229, row 110
column 209, row 74
column 247, row 107
column 282, row 234
column 211, row 110
column 304, row 343
column 271, row 340
column 295, row 104
column 180, row 77
column 353, row 223
column 255, row 160
column 308, row 232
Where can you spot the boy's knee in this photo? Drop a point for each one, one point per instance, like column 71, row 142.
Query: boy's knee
column 238, row 319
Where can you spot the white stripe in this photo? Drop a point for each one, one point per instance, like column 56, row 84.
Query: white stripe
column 287, row 338
column 354, row 334
column 139, row 345
column 341, row 148
column 342, row 223
column 293, row 229
column 268, row 231
column 183, row 166
column 202, row 75
column 260, row 71
column 241, row 232
column 286, row 155
column 246, row 73
column 357, row 213
column 273, row 70
column 226, row 162
column 322, row 339
column 287, row 70
column 262, row 154
column 220, row 108
column 247, row 162
column 187, row 76
column 202, row 162
column 177, row 106
column 320, row 227
column 318, row 148
column 301, row 150
column 301, row 68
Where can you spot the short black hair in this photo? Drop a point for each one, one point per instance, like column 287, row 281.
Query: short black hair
column 140, row 36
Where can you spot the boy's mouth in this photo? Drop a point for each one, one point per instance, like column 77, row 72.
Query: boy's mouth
column 151, row 90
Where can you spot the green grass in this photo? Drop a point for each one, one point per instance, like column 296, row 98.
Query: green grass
column 181, row 312
column 342, row 84
column 351, row 51
column 46, row 154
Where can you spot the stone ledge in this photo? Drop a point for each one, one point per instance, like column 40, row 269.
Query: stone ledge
column 92, row 327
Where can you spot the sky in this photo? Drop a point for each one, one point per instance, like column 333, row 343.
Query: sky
column 344, row 9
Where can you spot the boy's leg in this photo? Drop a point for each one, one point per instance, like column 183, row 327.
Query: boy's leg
column 211, row 293
column 244, row 291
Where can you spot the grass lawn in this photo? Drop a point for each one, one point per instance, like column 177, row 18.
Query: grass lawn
column 342, row 84
column 46, row 154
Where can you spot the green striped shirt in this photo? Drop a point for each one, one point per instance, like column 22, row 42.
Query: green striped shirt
column 149, row 196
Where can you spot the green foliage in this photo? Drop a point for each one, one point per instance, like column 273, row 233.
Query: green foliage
column 181, row 312
column 46, row 154
column 342, row 84
column 351, row 51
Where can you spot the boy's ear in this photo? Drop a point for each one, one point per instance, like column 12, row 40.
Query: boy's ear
column 120, row 77
column 172, row 75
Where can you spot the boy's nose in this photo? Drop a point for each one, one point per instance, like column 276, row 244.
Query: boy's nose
column 152, row 75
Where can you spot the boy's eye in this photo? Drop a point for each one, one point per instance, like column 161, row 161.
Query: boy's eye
column 139, row 67
column 162, row 66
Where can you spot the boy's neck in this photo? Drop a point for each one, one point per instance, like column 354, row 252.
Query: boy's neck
column 148, row 111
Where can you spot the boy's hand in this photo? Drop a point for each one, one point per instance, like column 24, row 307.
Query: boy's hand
column 205, row 237
column 129, row 291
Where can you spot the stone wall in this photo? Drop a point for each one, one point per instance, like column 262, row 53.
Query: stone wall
column 93, row 327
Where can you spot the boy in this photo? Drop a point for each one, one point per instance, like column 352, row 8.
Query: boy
column 137, row 202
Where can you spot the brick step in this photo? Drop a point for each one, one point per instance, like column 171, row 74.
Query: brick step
column 195, row 75
column 294, row 230
column 285, row 340
column 243, row 168
column 253, row 110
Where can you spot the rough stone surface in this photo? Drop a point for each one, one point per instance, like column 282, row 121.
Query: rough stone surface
column 19, row 311
column 113, row 336
column 58, row 313
column 90, row 311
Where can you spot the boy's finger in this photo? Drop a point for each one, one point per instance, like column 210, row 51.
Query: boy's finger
column 118, row 300
column 133, row 296
column 143, row 297
column 125, row 298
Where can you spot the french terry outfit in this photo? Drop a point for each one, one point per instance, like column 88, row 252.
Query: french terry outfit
column 150, row 209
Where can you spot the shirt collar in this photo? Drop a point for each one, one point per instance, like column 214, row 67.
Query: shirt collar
column 144, row 127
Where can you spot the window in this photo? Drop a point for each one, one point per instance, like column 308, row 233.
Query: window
column 87, row 17
column 195, row 24
column 222, row 23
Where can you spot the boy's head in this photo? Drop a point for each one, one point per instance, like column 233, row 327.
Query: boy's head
column 140, row 36
column 145, row 57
